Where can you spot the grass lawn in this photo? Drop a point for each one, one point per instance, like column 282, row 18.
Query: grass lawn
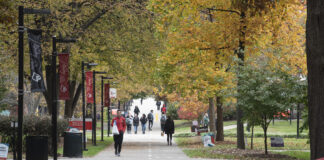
column 184, row 126
column 280, row 128
column 194, row 148
column 297, row 154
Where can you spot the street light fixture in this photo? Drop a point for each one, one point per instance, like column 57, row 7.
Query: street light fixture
column 102, row 104
column 94, row 124
column 89, row 65
column 21, row 29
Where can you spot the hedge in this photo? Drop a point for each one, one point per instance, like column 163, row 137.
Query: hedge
column 32, row 125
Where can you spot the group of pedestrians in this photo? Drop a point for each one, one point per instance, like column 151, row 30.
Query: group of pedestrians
column 136, row 121
column 167, row 126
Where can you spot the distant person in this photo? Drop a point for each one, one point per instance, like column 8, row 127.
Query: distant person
column 121, row 125
column 163, row 120
column 169, row 129
column 143, row 122
column 158, row 104
column 129, row 122
column 136, row 110
column 163, row 109
column 136, row 123
column 206, row 120
column 150, row 118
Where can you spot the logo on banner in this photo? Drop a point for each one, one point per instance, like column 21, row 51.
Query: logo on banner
column 36, row 77
column 113, row 93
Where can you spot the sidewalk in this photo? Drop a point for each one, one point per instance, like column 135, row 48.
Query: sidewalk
column 151, row 146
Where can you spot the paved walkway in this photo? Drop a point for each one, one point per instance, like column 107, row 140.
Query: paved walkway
column 149, row 146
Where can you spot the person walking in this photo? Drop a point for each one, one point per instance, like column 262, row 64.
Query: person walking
column 169, row 129
column 163, row 120
column 150, row 117
column 136, row 110
column 136, row 123
column 206, row 120
column 163, row 109
column 129, row 121
column 143, row 122
column 121, row 125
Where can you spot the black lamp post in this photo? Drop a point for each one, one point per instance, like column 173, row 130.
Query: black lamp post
column 21, row 29
column 83, row 101
column 94, row 124
column 102, row 104
column 54, row 93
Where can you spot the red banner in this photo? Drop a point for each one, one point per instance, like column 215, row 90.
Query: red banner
column 64, row 93
column 107, row 98
column 89, row 86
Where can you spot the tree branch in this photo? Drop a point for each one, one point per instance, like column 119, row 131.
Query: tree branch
column 224, row 10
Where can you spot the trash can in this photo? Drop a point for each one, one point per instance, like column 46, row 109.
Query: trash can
column 212, row 135
column 36, row 148
column 72, row 144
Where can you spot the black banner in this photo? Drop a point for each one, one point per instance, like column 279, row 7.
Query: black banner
column 35, row 50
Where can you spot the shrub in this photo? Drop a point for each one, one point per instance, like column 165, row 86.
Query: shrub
column 172, row 111
column 32, row 125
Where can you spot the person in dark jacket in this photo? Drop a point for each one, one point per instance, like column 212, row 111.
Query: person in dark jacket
column 143, row 122
column 136, row 123
column 136, row 110
column 169, row 129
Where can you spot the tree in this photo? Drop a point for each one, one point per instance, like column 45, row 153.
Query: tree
column 315, row 52
column 265, row 93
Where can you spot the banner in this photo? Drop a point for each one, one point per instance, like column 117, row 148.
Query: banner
column 89, row 86
column 107, row 98
column 113, row 93
column 35, row 51
column 64, row 93
column 4, row 148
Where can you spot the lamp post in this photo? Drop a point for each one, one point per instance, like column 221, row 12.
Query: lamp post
column 21, row 29
column 54, row 93
column 94, row 124
column 83, row 101
column 102, row 104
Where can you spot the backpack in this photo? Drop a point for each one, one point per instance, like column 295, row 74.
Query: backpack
column 128, row 121
column 150, row 117
column 163, row 119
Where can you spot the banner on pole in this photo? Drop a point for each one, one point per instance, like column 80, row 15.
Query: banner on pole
column 89, row 86
column 107, row 98
column 4, row 148
column 64, row 93
column 113, row 93
column 35, row 50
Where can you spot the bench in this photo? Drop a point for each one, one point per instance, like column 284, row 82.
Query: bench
column 202, row 130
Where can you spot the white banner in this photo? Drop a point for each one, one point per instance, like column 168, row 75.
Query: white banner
column 3, row 151
column 113, row 93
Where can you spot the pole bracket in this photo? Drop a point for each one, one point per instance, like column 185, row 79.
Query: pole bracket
column 22, row 29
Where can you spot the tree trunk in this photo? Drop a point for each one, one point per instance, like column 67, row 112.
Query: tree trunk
column 220, row 122
column 265, row 140
column 252, row 136
column 240, row 55
column 71, row 104
column 48, row 92
column 315, row 63
column 211, row 115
